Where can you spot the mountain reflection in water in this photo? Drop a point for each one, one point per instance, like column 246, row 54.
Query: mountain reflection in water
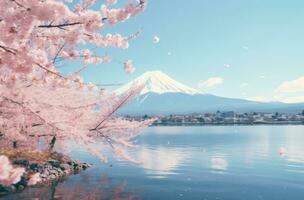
column 210, row 162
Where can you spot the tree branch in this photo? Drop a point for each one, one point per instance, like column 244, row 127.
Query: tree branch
column 9, row 50
column 59, row 25
column 58, row 52
column 50, row 71
column 113, row 111
column 19, row 4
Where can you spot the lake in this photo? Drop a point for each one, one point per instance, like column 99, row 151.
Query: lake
column 204, row 163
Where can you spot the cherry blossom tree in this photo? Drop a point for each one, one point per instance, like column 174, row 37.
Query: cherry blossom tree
column 39, row 105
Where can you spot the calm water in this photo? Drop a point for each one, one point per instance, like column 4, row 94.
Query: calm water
column 218, row 162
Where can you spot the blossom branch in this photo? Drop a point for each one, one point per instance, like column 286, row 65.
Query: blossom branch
column 50, row 71
column 113, row 111
column 59, row 25
column 34, row 113
column 58, row 52
column 9, row 50
column 19, row 4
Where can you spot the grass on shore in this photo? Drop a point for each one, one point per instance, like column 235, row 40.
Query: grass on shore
column 30, row 155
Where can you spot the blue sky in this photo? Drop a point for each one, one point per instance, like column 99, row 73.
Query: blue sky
column 261, row 42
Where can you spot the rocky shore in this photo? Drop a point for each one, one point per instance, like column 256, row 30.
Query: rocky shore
column 47, row 172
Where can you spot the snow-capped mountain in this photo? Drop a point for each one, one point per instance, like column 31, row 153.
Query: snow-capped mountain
column 159, row 83
column 163, row 95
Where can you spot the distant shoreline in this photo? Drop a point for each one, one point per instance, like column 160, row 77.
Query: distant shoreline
column 229, row 124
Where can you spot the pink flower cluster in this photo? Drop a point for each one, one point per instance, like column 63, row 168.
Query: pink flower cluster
column 117, row 15
column 109, row 40
column 8, row 174
column 128, row 66
column 106, row 59
column 34, row 179
column 111, row 2
column 35, row 34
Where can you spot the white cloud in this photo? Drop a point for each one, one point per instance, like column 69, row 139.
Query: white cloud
column 227, row 65
column 160, row 162
column 213, row 81
column 296, row 99
column 296, row 85
column 258, row 98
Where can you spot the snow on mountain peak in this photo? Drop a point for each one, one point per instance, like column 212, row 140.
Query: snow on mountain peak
column 158, row 82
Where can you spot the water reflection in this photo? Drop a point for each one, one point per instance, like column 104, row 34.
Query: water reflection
column 218, row 163
column 231, row 162
column 83, row 189
column 161, row 161
column 294, row 147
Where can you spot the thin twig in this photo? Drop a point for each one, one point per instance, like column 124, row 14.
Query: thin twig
column 58, row 52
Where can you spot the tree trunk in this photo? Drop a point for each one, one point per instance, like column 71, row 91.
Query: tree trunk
column 15, row 144
column 52, row 143
column 53, row 190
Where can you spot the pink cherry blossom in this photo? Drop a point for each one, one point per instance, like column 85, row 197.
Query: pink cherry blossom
column 5, row 167
column 282, row 151
column 111, row 2
column 106, row 59
column 8, row 174
column 128, row 67
column 103, row 91
column 156, row 39
column 34, row 179
column 38, row 102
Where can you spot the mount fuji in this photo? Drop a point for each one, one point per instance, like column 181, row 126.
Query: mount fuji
column 163, row 95
column 159, row 83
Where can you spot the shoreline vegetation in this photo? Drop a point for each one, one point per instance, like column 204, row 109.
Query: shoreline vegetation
column 50, row 167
